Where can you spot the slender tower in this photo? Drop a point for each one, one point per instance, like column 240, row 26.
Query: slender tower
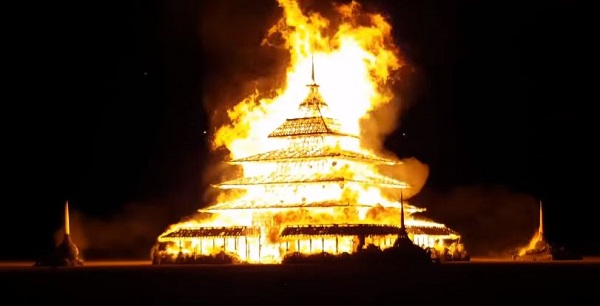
column 67, row 226
column 67, row 251
column 402, row 234
column 540, row 241
column 402, row 227
column 404, row 250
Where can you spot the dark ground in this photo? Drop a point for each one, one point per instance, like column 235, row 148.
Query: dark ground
column 474, row 283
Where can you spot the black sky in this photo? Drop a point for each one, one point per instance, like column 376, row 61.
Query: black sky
column 105, row 104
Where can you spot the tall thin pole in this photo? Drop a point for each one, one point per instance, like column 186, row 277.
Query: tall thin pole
column 401, row 210
column 67, row 225
column 313, row 68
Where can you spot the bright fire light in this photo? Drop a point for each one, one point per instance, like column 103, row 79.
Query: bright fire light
column 301, row 156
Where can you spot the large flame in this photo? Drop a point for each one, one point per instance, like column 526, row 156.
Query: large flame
column 353, row 66
column 352, row 61
column 538, row 243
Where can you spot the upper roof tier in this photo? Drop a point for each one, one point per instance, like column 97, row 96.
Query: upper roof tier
column 311, row 120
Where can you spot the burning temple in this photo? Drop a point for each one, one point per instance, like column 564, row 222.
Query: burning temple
column 319, row 192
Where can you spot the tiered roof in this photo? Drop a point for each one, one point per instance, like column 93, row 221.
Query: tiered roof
column 361, row 229
column 316, row 152
column 309, row 126
column 201, row 232
column 311, row 122
column 313, row 178
column 322, row 230
column 263, row 204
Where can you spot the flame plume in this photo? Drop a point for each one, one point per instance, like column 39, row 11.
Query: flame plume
column 354, row 67
column 300, row 152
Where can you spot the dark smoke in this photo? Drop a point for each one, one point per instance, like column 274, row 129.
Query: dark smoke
column 127, row 235
column 236, row 63
column 493, row 220
column 384, row 120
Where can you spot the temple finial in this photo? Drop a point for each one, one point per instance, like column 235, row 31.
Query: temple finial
column 313, row 69
column 313, row 85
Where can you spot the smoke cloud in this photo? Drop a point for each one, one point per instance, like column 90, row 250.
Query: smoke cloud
column 127, row 235
column 238, row 65
column 411, row 171
column 384, row 120
column 492, row 219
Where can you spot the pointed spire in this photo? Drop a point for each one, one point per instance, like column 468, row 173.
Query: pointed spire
column 403, row 238
column 401, row 212
column 313, row 68
column 313, row 85
column 314, row 104
column 67, row 226
column 541, row 229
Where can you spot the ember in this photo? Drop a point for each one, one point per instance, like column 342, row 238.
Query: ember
column 310, row 186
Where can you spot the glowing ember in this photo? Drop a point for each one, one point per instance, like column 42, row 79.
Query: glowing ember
column 308, row 184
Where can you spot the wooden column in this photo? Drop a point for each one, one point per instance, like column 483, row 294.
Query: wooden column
column 247, row 249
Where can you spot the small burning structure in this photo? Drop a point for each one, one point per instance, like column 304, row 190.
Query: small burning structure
column 539, row 249
column 308, row 182
column 66, row 253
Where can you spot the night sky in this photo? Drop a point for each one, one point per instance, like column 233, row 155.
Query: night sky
column 106, row 104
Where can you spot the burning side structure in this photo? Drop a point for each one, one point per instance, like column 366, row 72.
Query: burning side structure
column 308, row 184
column 539, row 249
column 66, row 253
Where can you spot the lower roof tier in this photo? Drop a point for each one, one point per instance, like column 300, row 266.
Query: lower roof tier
column 229, row 231
column 313, row 152
column 294, row 231
column 362, row 229
column 258, row 204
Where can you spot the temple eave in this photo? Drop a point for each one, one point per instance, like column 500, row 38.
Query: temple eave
column 304, row 158
column 308, row 231
column 249, row 185
column 224, row 207
column 210, row 232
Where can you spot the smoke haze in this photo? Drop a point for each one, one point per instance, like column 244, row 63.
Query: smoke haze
column 492, row 219
column 129, row 234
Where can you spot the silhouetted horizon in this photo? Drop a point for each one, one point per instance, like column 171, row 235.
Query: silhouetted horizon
column 110, row 104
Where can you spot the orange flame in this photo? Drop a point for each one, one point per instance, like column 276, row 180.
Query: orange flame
column 353, row 67
column 353, row 63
